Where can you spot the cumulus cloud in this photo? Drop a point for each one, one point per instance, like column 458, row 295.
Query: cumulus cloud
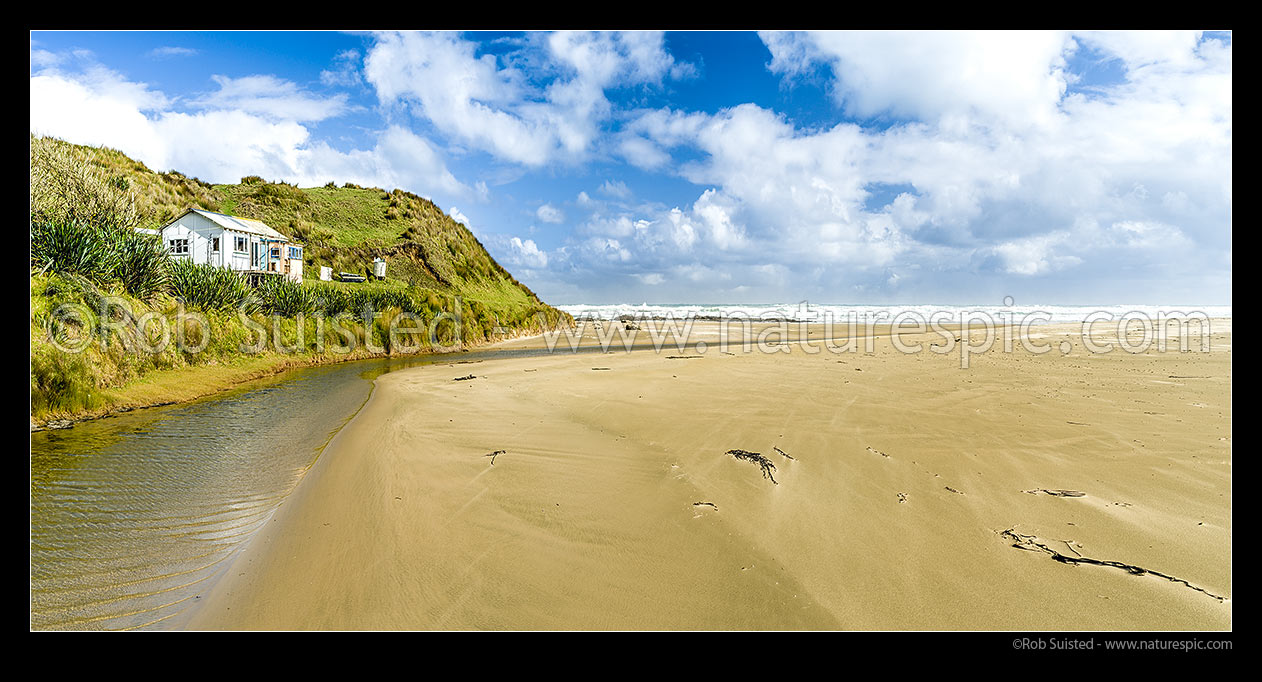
column 527, row 253
column 952, row 162
column 1001, row 173
column 1013, row 76
column 256, row 125
column 1035, row 255
column 516, row 115
column 345, row 71
column 550, row 214
column 459, row 217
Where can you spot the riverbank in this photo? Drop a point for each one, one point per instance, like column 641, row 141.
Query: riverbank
column 185, row 384
column 890, row 490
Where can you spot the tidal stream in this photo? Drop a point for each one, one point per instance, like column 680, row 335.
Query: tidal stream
column 134, row 516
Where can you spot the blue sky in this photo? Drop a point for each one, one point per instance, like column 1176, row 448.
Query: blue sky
column 717, row 167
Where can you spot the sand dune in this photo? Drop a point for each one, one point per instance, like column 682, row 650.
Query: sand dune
column 908, row 494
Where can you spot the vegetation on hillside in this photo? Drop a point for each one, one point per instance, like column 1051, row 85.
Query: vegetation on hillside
column 344, row 228
column 88, row 258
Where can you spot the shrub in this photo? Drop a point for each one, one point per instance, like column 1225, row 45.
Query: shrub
column 280, row 296
column 140, row 264
column 208, row 287
column 71, row 249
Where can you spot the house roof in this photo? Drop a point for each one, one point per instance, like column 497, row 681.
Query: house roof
column 234, row 223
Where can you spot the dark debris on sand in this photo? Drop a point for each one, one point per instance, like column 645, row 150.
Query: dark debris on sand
column 785, row 454
column 768, row 469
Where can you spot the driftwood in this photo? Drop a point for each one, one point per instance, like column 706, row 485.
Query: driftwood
column 600, row 369
column 768, row 469
column 1056, row 493
column 1031, row 543
column 493, row 455
column 785, row 454
column 706, row 504
column 464, row 378
column 683, row 357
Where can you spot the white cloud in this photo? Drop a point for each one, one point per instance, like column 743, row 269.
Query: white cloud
column 1144, row 48
column 459, row 217
column 1035, row 255
column 497, row 107
column 1013, row 76
column 118, row 107
column 527, row 253
column 43, row 59
column 172, row 51
column 272, row 97
column 400, row 158
column 1002, row 175
column 616, row 188
column 266, row 136
column 345, row 71
column 975, row 159
column 550, row 214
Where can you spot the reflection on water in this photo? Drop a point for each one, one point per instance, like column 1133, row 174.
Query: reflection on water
column 134, row 516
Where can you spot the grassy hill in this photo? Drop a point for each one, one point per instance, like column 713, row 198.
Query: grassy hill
column 435, row 266
column 342, row 227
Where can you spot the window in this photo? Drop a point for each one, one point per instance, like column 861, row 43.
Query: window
column 178, row 247
column 295, row 252
column 276, row 253
column 239, row 244
column 214, row 245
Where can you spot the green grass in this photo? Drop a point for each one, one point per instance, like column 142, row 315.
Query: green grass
column 104, row 374
column 433, row 265
column 344, row 228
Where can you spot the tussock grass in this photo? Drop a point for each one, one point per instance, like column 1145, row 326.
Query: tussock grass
column 208, row 287
column 85, row 202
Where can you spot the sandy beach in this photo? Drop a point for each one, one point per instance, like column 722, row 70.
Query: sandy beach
column 1078, row 491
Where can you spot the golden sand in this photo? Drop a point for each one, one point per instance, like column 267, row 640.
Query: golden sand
column 910, row 482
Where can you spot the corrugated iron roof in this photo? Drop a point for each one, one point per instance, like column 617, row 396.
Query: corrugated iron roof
column 234, row 223
column 241, row 224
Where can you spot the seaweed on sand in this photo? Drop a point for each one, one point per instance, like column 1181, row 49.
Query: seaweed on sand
column 768, row 469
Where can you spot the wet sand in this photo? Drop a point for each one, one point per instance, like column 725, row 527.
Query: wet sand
column 1025, row 492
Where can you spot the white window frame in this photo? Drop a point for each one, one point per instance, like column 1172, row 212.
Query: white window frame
column 243, row 242
column 178, row 246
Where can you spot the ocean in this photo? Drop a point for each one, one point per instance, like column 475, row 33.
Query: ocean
column 840, row 313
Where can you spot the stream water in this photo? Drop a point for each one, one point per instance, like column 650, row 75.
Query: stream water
column 134, row 516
